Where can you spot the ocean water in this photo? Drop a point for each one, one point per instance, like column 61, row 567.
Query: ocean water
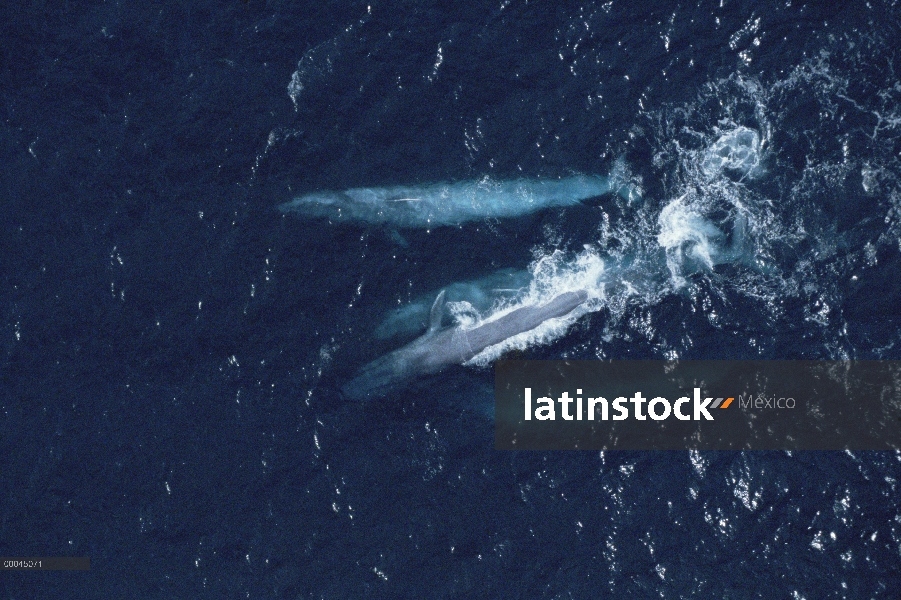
column 172, row 344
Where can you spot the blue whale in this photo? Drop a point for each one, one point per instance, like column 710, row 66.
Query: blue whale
column 445, row 204
column 442, row 347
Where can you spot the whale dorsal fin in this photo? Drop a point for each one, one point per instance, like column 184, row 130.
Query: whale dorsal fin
column 436, row 313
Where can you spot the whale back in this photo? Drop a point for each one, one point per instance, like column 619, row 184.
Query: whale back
column 439, row 348
column 522, row 320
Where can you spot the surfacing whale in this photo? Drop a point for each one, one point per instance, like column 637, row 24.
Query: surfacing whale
column 476, row 296
column 440, row 348
column 441, row 204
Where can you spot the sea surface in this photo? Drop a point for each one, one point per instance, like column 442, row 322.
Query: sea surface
column 172, row 344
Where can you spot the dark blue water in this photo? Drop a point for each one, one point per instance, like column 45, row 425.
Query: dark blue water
column 171, row 344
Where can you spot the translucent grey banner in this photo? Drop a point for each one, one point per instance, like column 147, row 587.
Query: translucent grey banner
column 697, row 405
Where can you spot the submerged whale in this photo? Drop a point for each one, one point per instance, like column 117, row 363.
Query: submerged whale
column 440, row 348
column 451, row 203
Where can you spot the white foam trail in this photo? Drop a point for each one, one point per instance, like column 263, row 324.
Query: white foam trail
column 713, row 203
column 705, row 226
column 737, row 151
column 687, row 236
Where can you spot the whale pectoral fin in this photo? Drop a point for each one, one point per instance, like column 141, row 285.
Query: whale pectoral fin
column 398, row 239
column 436, row 313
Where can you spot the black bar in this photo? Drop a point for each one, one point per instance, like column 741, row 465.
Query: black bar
column 45, row 563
